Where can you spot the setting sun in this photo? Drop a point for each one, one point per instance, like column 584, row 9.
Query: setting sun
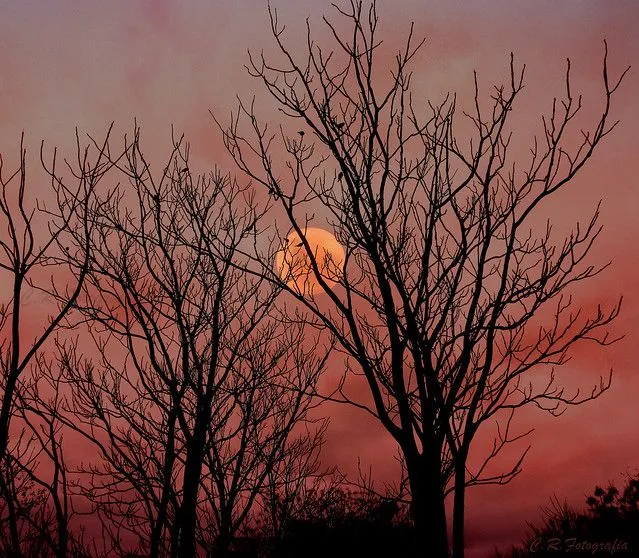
column 293, row 263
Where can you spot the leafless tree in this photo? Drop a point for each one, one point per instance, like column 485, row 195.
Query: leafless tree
column 198, row 387
column 36, row 476
column 273, row 439
column 289, row 479
column 33, row 236
column 23, row 509
column 453, row 305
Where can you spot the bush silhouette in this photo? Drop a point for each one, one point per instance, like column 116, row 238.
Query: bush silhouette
column 339, row 523
column 335, row 522
column 609, row 524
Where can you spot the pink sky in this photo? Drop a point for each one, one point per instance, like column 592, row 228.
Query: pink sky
column 70, row 63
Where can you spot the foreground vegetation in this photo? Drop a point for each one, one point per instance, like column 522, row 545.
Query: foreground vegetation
column 608, row 525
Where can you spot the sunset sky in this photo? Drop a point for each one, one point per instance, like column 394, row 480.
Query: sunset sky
column 85, row 63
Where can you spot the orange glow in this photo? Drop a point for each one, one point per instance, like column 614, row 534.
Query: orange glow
column 294, row 264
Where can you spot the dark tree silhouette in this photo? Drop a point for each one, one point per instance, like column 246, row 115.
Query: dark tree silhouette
column 198, row 388
column 36, row 477
column 33, row 240
column 448, row 297
column 287, row 481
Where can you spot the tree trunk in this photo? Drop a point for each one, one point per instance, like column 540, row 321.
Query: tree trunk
column 5, row 490
column 12, row 371
column 5, row 413
column 427, row 508
column 458, row 510
column 169, row 460
column 62, row 550
column 187, row 516
column 223, row 543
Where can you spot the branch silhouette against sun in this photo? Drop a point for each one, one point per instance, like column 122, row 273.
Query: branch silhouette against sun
column 451, row 301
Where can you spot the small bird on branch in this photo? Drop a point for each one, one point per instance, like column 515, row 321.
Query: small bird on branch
column 301, row 133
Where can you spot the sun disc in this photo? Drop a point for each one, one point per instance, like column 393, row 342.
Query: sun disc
column 294, row 265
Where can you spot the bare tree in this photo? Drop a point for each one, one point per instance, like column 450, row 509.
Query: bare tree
column 449, row 297
column 273, row 434
column 37, row 474
column 23, row 509
column 289, row 478
column 198, row 387
column 33, row 238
